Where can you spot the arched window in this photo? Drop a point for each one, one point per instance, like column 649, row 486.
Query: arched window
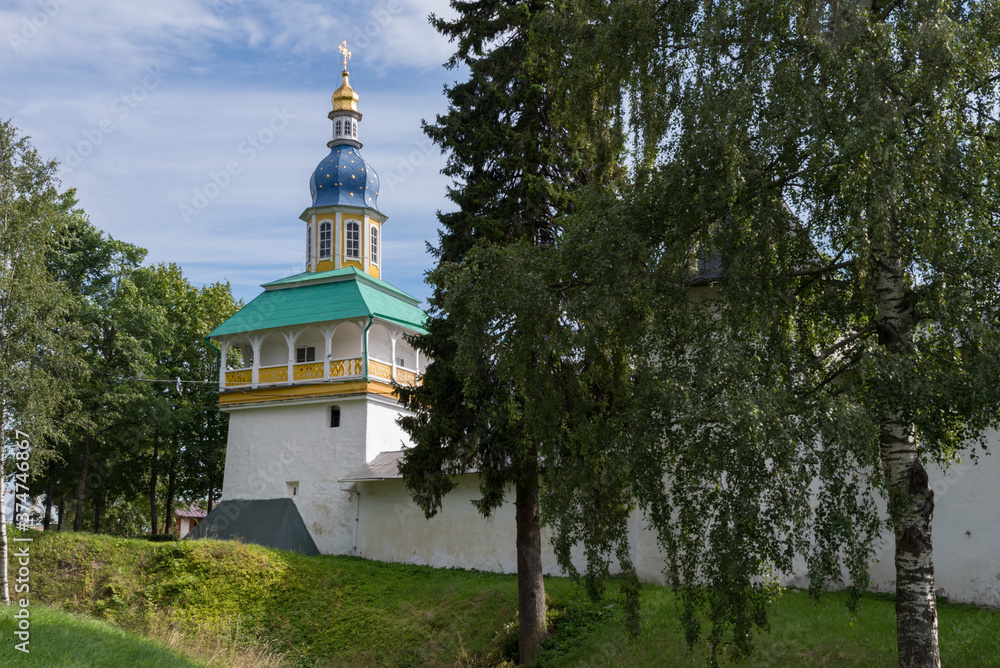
column 354, row 130
column 325, row 240
column 353, row 245
column 309, row 244
column 334, row 416
column 337, row 132
column 374, row 252
column 347, row 127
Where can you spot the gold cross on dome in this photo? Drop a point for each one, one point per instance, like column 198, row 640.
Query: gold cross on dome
column 345, row 52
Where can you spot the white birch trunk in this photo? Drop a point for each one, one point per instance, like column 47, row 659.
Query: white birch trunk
column 911, row 500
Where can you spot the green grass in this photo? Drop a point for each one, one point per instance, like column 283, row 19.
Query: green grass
column 804, row 633
column 323, row 608
column 258, row 607
column 62, row 639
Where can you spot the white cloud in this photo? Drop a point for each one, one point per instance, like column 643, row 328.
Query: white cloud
column 138, row 146
column 118, row 35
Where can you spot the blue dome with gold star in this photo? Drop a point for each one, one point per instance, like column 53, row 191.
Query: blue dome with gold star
column 343, row 178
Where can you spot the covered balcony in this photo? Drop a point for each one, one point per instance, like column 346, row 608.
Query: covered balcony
column 333, row 352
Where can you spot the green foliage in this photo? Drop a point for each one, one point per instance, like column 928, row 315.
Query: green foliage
column 574, row 623
column 803, row 632
column 513, row 175
column 315, row 608
column 124, row 517
column 143, row 406
column 515, row 171
column 161, row 538
column 802, row 274
column 103, row 362
column 502, row 650
column 33, row 335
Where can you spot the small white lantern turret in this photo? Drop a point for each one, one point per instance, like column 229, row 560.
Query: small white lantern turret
column 345, row 114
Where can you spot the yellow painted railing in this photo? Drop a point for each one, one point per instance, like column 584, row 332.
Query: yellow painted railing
column 349, row 367
column 379, row 369
column 239, row 377
column 404, row 377
column 344, row 368
column 273, row 374
column 308, row 371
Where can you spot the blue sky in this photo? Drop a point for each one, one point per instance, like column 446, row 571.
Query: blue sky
column 145, row 104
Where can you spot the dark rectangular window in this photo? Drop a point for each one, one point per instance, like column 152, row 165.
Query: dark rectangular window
column 353, row 240
column 305, row 354
column 335, row 416
column 325, row 240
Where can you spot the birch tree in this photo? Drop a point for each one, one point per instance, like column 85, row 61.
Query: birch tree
column 31, row 302
column 816, row 213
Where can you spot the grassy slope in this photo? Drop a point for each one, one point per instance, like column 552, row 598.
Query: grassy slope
column 310, row 607
column 61, row 639
column 347, row 611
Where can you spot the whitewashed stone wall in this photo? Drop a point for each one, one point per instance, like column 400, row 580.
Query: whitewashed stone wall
column 966, row 533
column 271, row 446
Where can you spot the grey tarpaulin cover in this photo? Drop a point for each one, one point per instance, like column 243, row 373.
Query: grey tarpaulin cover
column 268, row 522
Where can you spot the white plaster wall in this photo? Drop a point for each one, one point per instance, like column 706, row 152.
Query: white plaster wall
column 346, row 342
column 393, row 528
column 274, row 350
column 311, row 336
column 379, row 343
column 647, row 557
column 966, row 534
column 384, row 434
column 270, row 446
column 405, row 350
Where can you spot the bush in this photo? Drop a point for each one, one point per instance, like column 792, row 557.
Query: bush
column 161, row 537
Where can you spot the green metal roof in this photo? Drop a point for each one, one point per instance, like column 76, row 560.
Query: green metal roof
column 308, row 298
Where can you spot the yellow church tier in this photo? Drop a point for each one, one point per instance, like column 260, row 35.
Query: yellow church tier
column 343, row 224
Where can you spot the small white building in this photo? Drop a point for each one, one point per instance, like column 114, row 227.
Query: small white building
column 187, row 518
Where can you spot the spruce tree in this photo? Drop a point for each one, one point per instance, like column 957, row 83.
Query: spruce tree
column 514, row 171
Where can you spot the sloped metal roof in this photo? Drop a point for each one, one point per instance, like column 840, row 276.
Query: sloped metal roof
column 321, row 297
column 385, row 466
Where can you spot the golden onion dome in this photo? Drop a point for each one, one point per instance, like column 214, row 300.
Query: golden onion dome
column 344, row 98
